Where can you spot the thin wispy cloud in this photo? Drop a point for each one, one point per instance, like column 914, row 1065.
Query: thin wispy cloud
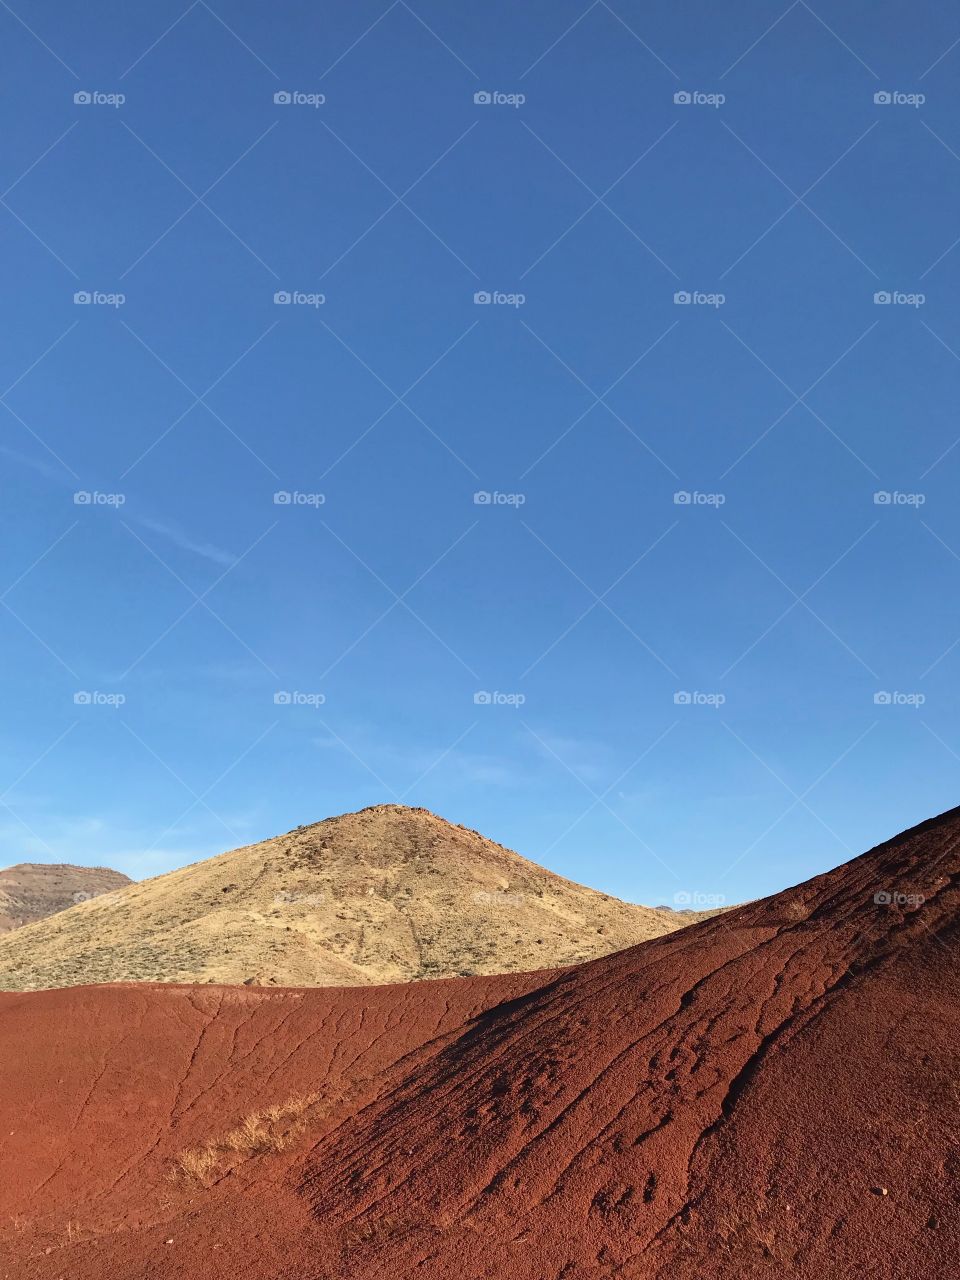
column 42, row 468
column 162, row 528
column 173, row 533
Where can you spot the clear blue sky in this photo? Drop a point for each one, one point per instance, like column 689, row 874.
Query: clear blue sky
column 598, row 598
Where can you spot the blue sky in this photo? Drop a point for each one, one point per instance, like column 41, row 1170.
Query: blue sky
column 718, row 696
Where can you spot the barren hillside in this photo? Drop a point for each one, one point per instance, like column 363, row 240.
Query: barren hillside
column 388, row 894
column 768, row 1094
column 31, row 891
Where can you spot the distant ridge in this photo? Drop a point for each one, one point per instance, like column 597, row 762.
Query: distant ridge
column 32, row 891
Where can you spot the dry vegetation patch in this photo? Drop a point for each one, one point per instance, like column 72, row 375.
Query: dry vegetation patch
column 259, row 1133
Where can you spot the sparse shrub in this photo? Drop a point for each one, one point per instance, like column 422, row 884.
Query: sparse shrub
column 197, row 1163
column 257, row 1134
column 387, row 1228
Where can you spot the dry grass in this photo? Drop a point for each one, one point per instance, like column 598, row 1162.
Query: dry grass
column 259, row 1133
column 376, row 1231
column 197, row 1163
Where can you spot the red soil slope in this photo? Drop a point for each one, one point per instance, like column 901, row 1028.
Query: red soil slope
column 770, row 1093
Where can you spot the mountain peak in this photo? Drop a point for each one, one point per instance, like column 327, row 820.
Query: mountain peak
column 388, row 893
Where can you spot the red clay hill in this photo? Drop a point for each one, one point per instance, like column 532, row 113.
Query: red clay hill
column 770, row 1093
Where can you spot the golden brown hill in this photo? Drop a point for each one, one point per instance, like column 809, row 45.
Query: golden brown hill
column 31, row 891
column 388, row 894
